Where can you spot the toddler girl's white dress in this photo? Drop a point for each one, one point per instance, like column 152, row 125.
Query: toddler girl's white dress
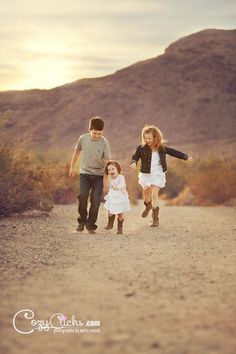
column 117, row 201
column 156, row 177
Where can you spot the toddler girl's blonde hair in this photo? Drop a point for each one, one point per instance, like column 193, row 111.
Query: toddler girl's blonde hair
column 158, row 140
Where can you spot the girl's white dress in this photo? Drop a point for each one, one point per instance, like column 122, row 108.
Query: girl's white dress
column 156, row 177
column 117, row 201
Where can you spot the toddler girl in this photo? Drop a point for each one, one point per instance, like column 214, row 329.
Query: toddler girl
column 117, row 199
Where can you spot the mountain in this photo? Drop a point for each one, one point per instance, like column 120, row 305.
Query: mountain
column 189, row 92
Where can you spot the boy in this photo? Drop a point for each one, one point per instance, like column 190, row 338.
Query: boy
column 95, row 151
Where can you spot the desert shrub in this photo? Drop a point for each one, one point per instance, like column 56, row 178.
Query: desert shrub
column 27, row 183
column 215, row 184
column 185, row 197
column 208, row 182
column 23, row 185
column 177, row 176
column 65, row 189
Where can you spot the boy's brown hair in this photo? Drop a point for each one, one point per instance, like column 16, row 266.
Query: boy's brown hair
column 157, row 135
column 96, row 123
column 114, row 163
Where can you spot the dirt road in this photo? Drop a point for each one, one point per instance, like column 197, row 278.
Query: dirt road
column 170, row 290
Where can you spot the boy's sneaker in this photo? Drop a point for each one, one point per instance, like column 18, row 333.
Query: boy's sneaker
column 91, row 228
column 80, row 228
column 91, row 231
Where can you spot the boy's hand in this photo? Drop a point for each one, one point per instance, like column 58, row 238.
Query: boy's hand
column 72, row 173
column 133, row 166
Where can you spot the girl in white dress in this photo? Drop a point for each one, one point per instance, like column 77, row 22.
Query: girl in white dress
column 152, row 153
column 117, row 199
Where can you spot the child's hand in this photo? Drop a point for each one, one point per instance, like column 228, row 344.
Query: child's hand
column 133, row 166
column 105, row 189
column 190, row 158
column 72, row 173
column 115, row 188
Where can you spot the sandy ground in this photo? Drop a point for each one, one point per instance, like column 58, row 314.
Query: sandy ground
column 170, row 290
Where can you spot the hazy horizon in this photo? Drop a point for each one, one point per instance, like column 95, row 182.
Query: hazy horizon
column 52, row 44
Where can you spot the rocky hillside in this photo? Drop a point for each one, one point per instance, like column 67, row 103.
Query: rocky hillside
column 189, row 92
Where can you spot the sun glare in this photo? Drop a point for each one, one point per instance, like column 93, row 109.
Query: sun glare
column 48, row 46
column 46, row 64
column 46, row 72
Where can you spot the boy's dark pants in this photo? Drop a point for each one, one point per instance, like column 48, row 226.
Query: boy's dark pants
column 93, row 185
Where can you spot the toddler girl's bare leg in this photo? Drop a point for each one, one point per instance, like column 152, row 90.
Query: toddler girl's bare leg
column 120, row 217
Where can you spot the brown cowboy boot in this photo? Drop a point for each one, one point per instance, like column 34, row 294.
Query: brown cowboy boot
column 120, row 226
column 155, row 217
column 110, row 224
column 147, row 209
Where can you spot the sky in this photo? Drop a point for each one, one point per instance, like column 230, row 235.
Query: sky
column 48, row 43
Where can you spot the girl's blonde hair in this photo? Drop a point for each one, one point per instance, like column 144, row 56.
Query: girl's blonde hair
column 158, row 140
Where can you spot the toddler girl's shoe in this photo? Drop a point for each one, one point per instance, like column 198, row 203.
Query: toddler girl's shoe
column 120, row 226
column 110, row 224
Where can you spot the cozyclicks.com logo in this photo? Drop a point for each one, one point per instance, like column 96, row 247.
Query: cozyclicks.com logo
column 24, row 322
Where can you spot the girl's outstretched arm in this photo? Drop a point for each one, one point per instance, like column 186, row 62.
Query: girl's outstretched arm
column 176, row 153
